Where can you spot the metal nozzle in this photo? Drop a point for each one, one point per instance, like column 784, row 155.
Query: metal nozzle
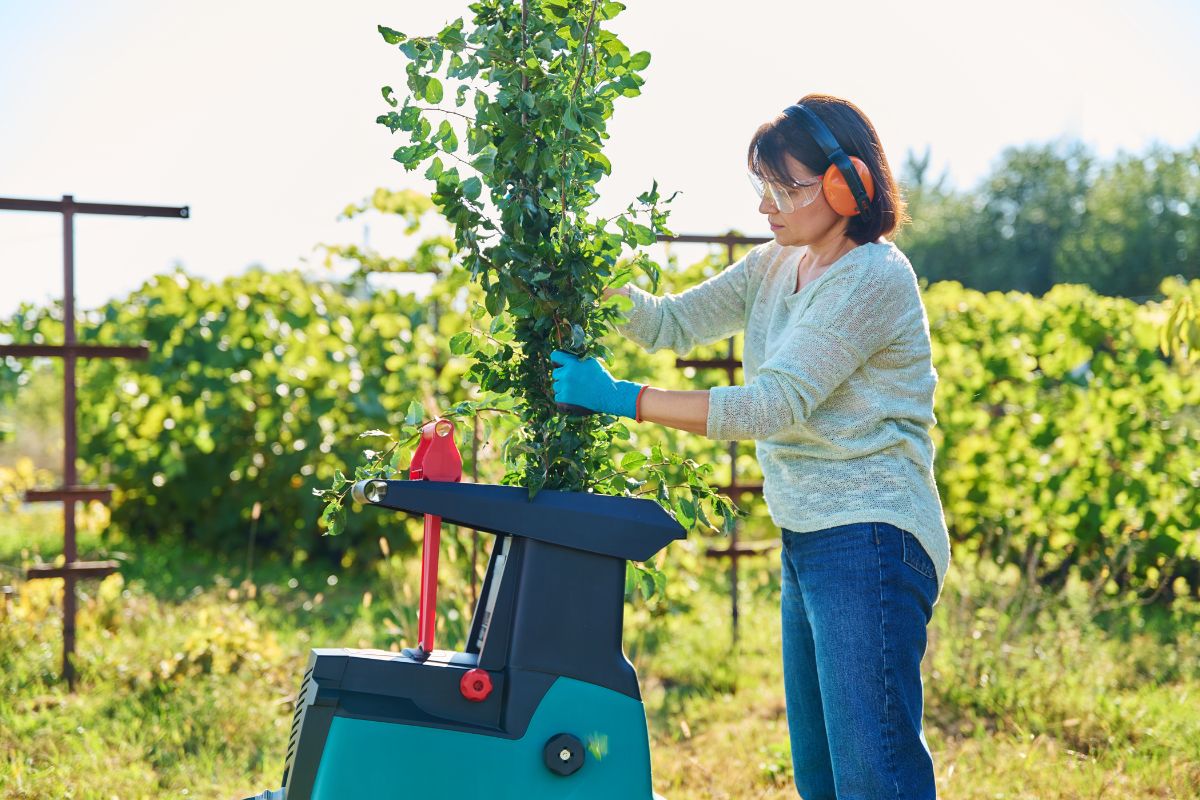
column 369, row 491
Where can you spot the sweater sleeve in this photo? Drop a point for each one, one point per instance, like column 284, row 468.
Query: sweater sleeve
column 847, row 321
column 706, row 313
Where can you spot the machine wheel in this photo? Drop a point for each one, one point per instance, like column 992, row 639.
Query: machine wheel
column 563, row 754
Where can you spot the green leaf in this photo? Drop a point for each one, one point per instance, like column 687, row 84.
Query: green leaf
column 333, row 518
column 494, row 302
column 643, row 235
column 459, row 342
column 451, row 36
column 647, row 585
column 485, row 162
column 391, row 36
column 433, row 91
column 446, row 137
column 422, row 129
column 471, row 188
column 640, row 60
column 387, row 95
column 633, row 460
column 416, row 413
column 685, row 511
column 571, row 119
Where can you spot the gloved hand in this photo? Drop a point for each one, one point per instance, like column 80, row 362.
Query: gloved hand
column 587, row 384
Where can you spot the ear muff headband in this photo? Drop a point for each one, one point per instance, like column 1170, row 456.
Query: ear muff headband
column 847, row 184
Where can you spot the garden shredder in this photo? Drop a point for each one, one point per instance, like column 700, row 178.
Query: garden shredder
column 541, row 703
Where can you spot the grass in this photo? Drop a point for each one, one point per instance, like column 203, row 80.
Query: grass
column 188, row 669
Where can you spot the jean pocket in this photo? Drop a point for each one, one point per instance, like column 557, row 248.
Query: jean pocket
column 916, row 557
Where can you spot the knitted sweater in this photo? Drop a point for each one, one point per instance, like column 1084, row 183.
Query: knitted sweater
column 839, row 384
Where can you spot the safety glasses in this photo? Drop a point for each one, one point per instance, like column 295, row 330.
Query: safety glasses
column 787, row 198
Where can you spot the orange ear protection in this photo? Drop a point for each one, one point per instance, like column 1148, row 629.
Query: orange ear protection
column 847, row 184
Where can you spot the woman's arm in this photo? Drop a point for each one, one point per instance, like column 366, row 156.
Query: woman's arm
column 684, row 410
column 707, row 312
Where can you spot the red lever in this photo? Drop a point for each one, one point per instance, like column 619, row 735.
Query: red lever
column 436, row 459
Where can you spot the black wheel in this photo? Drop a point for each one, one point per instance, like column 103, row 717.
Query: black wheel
column 563, row 754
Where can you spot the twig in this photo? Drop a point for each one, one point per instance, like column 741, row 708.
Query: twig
column 583, row 48
column 562, row 163
column 445, row 111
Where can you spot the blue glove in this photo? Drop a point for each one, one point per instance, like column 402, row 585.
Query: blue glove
column 587, row 384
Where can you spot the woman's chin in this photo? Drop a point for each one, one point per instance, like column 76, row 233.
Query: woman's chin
column 784, row 237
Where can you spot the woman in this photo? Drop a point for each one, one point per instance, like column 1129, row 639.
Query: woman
column 838, row 397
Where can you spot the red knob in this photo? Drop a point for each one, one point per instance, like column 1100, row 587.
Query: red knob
column 475, row 685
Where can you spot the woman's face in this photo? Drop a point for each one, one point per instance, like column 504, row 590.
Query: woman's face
column 810, row 224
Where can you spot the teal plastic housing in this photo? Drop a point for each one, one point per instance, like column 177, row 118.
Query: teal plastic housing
column 383, row 761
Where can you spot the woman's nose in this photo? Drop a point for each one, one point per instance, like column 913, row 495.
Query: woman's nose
column 765, row 205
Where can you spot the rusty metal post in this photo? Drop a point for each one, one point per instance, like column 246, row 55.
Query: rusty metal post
column 70, row 351
column 70, row 553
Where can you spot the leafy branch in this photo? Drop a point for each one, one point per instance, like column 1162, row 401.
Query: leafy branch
column 383, row 465
column 522, row 229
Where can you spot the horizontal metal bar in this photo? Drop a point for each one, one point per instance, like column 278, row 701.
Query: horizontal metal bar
column 84, row 493
column 739, row 488
column 743, row 549
column 118, row 209
column 77, row 569
column 136, row 352
column 708, row 363
column 726, row 239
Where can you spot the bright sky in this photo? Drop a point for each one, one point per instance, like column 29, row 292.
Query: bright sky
column 260, row 115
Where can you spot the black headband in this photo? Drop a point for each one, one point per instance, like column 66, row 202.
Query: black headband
column 833, row 151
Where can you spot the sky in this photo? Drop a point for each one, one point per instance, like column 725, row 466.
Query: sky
column 260, row 114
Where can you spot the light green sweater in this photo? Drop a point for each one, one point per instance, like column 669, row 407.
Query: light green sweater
column 839, row 384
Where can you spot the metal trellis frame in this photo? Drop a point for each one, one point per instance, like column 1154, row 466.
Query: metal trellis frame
column 70, row 351
column 736, row 550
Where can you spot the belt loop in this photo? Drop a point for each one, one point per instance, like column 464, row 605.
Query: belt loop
column 875, row 530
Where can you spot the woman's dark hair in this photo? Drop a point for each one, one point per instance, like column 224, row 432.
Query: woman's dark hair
column 855, row 133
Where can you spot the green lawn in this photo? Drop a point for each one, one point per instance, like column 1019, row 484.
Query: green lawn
column 188, row 672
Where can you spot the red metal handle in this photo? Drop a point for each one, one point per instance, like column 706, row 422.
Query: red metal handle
column 436, row 459
column 430, row 549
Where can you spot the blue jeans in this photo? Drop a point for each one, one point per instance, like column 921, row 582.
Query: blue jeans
column 856, row 602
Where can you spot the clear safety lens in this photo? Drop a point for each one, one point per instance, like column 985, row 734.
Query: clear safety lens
column 786, row 198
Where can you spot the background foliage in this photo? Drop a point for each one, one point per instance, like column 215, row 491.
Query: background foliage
column 1066, row 433
column 1055, row 213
